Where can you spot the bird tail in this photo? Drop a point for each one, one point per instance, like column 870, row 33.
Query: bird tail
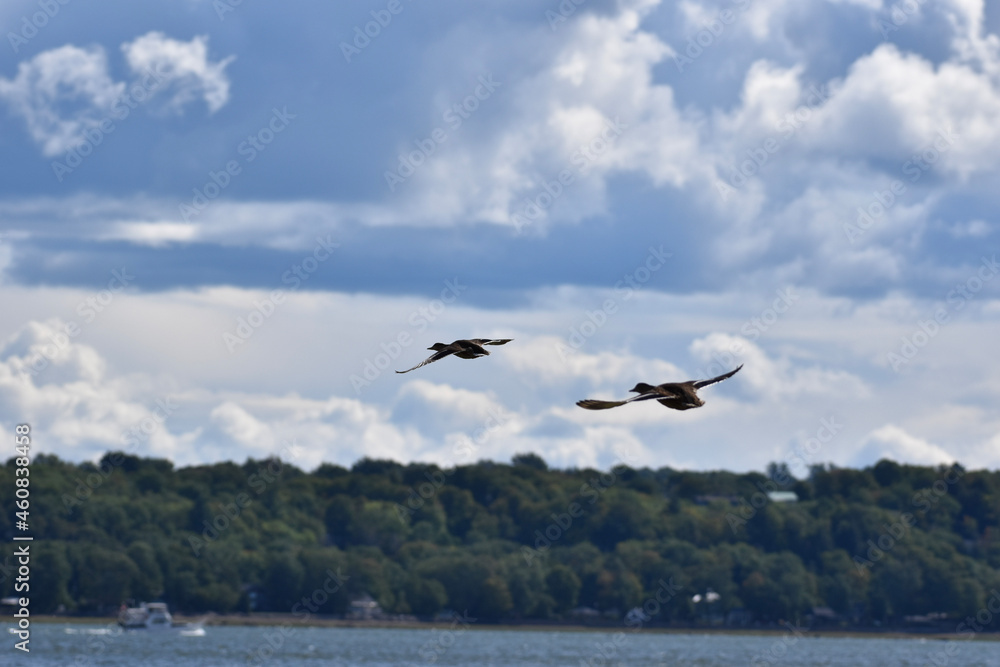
column 591, row 404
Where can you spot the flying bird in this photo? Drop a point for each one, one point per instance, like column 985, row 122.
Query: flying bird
column 464, row 349
column 675, row 395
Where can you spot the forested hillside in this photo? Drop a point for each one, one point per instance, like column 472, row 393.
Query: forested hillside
column 519, row 541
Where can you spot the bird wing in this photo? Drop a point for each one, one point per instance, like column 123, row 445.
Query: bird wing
column 491, row 341
column 434, row 357
column 704, row 383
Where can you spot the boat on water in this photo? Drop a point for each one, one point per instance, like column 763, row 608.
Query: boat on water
column 148, row 615
column 156, row 616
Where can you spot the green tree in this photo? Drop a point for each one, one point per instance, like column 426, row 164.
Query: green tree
column 50, row 591
column 283, row 582
column 425, row 597
column 564, row 587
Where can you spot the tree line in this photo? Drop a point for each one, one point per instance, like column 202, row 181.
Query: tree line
column 890, row 544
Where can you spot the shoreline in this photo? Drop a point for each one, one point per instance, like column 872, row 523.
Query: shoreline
column 275, row 619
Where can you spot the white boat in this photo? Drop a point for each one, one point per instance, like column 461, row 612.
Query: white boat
column 155, row 616
column 150, row 616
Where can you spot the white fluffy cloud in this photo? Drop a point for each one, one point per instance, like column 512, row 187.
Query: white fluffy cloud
column 555, row 360
column 185, row 65
column 134, row 378
column 770, row 379
column 60, row 94
column 64, row 92
column 894, row 105
column 892, row 442
column 590, row 111
column 646, row 147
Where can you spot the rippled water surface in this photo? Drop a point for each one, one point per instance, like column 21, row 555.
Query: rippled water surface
column 76, row 644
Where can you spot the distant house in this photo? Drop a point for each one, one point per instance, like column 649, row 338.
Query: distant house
column 584, row 612
column 364, row 608
column 823, row 616
column 782, row 497
column 926, row 619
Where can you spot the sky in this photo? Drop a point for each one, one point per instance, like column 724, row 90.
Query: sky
column 223, row 225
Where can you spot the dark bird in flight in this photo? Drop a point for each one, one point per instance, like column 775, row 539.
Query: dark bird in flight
column 676, row 395
column 464, row 349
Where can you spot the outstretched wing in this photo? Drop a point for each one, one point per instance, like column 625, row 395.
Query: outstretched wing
column 434, row 357
column 491, row 341
column 704, row 383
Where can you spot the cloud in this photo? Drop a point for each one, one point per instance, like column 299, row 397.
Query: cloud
column 589, row 110
column 443, row 408
column 91, row 392
column 773, row 380
column 72, row 401
column 540, row 110
column 554, row 361
column 185, row 65
column 240, row 427
column 60, row 94
column 63, row 389
column 892, row 442
column 65, row 92
column 894, row 105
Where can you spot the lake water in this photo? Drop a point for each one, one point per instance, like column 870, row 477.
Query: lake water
column 76, row 644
